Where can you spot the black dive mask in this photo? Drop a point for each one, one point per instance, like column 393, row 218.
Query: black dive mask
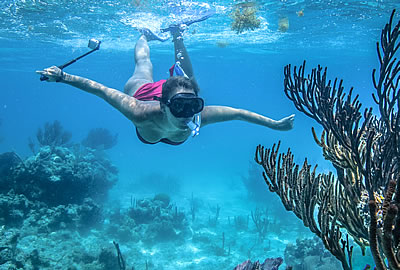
column 185, row 105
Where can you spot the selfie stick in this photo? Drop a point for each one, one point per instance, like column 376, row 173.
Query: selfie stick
column 94, row 44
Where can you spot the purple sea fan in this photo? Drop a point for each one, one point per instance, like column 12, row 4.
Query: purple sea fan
column 269, row 264
column 100, row 138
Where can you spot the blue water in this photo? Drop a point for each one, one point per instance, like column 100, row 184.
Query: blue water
column 247, row 73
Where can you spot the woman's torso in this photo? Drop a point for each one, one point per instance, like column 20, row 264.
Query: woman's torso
column 155, row 126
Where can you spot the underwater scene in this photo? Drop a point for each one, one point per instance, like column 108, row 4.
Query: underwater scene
column 274, row 145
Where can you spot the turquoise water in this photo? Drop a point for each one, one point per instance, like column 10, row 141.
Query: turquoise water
column 246, row 73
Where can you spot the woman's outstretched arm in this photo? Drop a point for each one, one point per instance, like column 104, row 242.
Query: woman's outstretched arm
column 215, row 114
column 122, row 102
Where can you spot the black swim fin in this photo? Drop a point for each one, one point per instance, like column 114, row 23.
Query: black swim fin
column 181, row 25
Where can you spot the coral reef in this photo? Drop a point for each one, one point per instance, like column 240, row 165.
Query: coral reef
column 244, row 17
column 363, row 197
column 58, row 188
column 163, row 221
column 14, row 209
column 309, row 254
column 27, row 220
column 36, row 251
column 32, row 227
column 150, row 220
column 100, row 139
column 54, row 196
column 58, row 175
column 8, row 161
column 8, row 242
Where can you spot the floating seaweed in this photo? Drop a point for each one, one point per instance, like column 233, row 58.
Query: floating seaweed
column 300, row 13
column 244, row 17
column 222, row 44
column 364, row 195
column 283, row 24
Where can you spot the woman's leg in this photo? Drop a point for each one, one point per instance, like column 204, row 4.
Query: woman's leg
column 182, row 55
column 143, row 67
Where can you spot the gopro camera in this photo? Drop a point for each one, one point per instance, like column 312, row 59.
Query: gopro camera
column 94, row 44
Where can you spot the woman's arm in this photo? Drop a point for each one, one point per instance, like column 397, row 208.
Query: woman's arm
column 122, row 102
column 215, row 114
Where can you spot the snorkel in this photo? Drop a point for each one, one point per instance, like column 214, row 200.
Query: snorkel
column 194, row 126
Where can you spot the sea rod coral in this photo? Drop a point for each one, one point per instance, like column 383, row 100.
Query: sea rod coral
column 363, row 197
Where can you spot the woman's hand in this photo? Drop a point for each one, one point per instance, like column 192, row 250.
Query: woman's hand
column 54, row 74
column 285, row 123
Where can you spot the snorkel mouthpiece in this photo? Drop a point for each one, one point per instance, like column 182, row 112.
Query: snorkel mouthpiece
column 194, row 126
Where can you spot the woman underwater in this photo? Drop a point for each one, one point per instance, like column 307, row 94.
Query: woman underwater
column 167, row 111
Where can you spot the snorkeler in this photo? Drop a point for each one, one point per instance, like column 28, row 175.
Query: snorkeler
column 167, row 111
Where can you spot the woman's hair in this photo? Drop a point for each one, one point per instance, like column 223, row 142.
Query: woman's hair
column 177, row 82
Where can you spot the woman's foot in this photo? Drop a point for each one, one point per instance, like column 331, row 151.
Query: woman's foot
column 152, row 36
column 178, row 28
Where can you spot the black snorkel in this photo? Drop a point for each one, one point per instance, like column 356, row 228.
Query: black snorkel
column 94, row 44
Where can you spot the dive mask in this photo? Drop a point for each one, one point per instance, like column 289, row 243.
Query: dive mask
column 185, row 105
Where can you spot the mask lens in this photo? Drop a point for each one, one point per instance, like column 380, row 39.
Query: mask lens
column 183, row 107
column 197, row 105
